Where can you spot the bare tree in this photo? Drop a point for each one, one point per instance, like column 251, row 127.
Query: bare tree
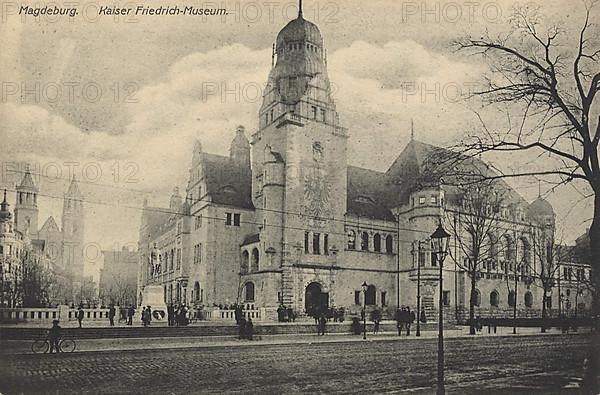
column 549, row 254
column 552, row 84
column 477, row 227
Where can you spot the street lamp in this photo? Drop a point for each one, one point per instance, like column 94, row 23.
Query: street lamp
column 439, row 246
column 364, row 287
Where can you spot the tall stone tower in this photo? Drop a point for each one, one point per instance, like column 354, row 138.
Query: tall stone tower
column 26, row 208
column 299, row 160
column 72, row 230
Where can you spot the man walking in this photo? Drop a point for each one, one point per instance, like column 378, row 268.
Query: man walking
column 130, row 314
column 111, row 314
column 410, row 318
column 400, row 320
column 80, row 315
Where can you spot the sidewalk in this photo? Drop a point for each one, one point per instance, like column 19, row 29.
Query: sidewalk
column 11, row 347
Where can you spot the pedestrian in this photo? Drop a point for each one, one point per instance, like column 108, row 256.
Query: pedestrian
column 238, row 314
column 149, row 316
column 54, row 335
column 242, row 328
column 111, row 314
column 249, row 329
column 376, row 318
column 322, row 324
column 423, row 316
column 291, row 314
column 80, row 315
column 130, row 314
column 410, row 318
column 399, row 317
column 170, row 314
column 280, row 313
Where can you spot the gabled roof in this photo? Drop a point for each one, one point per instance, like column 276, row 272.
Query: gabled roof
column 73, row 190
column 27, row 182
column 157, row 220
column 363, row 194
column 50, row 225
column 228, row 182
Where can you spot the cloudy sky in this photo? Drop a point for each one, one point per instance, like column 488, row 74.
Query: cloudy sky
column 167, row 80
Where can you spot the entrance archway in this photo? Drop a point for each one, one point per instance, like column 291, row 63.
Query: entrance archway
column 315, row 300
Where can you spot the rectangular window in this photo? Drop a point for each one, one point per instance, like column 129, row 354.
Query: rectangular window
column 317, row 243
column 422, row 200
column 446, row 298
column 323, row 115
column 236, row 219
column 422, row 258
column 433, row 200
column 326, row 244
column 228, row 219
column 306, row 236
column 357, row 298
column 179, row 258
column 383, row 298
column 314, row 112
column 433, row 259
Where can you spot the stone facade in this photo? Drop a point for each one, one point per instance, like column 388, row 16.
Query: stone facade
column 284, row 220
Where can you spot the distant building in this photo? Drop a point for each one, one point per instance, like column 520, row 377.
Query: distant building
column 63, row 248
column 284, row 220
column 118, row 277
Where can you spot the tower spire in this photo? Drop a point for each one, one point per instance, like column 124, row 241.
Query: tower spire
column 300, row 9
column 412, row 130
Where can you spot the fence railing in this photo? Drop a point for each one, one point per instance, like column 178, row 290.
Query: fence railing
column 41, row 314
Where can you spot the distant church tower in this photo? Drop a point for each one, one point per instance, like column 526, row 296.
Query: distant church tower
column 26, row 208
column 72, row 229
column 299, row 156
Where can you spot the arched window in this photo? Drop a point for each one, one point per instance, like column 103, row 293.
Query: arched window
column 476, row 297
column 197, row 291
column 249, row 292
column 255, row 261
column 389, row 244
column 351, row 240
column 245, row 262
column 511, row 298
column 364, row 241
column 494, row 298
column 528, row 299
column 370, row 296
column 377, row 242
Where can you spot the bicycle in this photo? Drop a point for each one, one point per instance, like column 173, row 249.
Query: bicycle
column 42, row 346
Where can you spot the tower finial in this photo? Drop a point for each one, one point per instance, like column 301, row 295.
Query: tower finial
column 300, row 9
column 412, row 129
column 539, row 189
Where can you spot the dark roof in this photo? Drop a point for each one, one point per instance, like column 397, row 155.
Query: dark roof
column 363, row 197
column 157, row 220
column 228, row 182
column 251, row 239
column 421, row 165
column 540, row 207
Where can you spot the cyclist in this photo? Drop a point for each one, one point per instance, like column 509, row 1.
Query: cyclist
column 54, row 335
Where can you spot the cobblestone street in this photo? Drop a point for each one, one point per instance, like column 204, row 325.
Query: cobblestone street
column 522, row 364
